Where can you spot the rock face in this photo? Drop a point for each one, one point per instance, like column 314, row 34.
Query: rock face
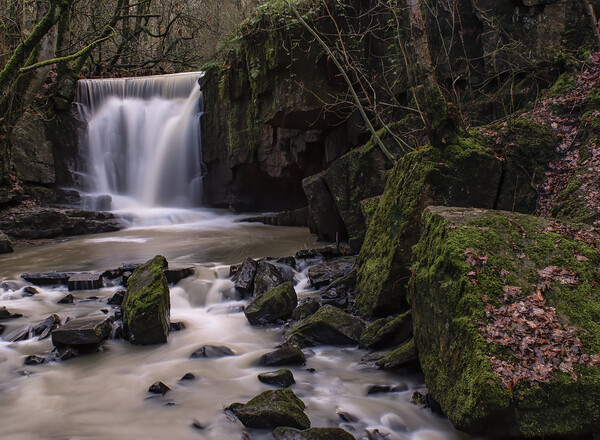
column 276, row 303
column 5, row 244
column 271, row 409
column 329, row 223
column 82, row 331
column 33, row 158
column 502, row 308
column 328, row 326
column 146, row 305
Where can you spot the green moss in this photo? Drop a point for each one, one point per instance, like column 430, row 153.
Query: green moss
column 401, row 357
column 562, row 85
column 276, row 303
column 273, row 408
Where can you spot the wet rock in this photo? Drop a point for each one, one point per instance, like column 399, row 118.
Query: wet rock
column 329, row 326
column 64, row 353
column 67, row 299
column 405, row 356
column 197, row 425
column 44, row 328
column 21, row 334
column 280, row 378
column 277, row 303
column 346, row 416
column 289, row 355
column 271, row 409
column 328, row 252
column 34, row 360
column 324, row 273
column 146, row 305
column 9, row 285
column 285, row 433
column 177, row 326
column 2, row 328
column 386, row 332
column 174, row 275
column 298, row 217
column 158, row 388
column 187, row 376
column 5, row 244
column 269, row 275
column 48, row 278
column 6, row 314
column 243, row 279
column 85, row 281
column 212, row 351
column 117, row 298
column 306, row 309
column 82, row 331
column 378, row 389
column 288, row 261
column 330, row 226
column 30, row 291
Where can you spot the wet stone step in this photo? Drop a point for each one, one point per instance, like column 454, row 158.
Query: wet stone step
column 85, row 281
column 47, row 278
column 82, row 331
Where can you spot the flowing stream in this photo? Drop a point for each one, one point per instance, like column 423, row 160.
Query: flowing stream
column 142, row 148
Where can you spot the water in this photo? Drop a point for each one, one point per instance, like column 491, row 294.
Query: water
column 104, row 395
column 141, row 144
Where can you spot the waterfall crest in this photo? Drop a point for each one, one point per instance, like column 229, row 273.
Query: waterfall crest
column 142, row 139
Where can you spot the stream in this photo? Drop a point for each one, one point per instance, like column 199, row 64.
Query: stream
column 105, row 395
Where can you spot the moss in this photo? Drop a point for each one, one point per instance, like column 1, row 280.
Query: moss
column 273, row 408
column 276, row 303
column 448, row 307
column 401, row 357
column 562, row 85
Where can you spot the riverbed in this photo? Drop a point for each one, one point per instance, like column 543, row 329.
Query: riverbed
column 105, row 395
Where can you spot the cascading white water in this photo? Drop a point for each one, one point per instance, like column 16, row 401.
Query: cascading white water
column 142, row 140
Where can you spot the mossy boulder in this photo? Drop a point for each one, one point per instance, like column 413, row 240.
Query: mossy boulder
column 283, row 433
column 5, row 244
column 276, row 303
column 271, row 409
column 466, row 173
column 386, row 332
column 269, row 275
column 405, row 356
column 328, row 326
column 505, row 309
column 146, row 304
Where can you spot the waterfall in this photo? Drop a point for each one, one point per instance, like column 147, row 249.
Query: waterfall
column 141, row 143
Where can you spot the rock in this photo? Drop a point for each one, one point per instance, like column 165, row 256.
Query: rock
column 158, row 388
column 82, row 331
column 328, row 252
column 386, row 332
column 280, row 378
column 187, row 376
column 304, row 310
column 271, row 409
column 197, row 425
column 5, row 244
column 478, row 273
column 289, row 355
column 285, row 433
column 64, row 352
column 21, row 334
column 330, row 226
column 276, row 303
column 6, row 314
column 324, row 273
column 405, row 356
column 243, row 279
column 329, row 326
column 174, row 275
column 34, row 360
column 85, row 281
column 368, row 207
column 67, row 299
column 47, row 279
column 269, row 275
column 33, row 160
column 44, row 328
column 177, row 326
column 30, row 291
column 117, row 298
column 9, row 285
column 298, row 217
column 378, row 389
column 146, row 305
column 212, row 351
column 288, row 261
column 2, row 328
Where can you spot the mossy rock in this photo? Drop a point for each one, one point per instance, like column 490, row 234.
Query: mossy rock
column 387, row 331
column 466, row 173
column 271, row 409
column 146, row 305
column 283, row 433
column 6, row 245
column 276, row 303
column 402, row 357
column 477, row 276
column 328, row 326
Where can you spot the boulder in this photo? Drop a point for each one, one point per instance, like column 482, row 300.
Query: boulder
column 117, row 298
column 30, row 291
column 289, row 355
column 271, row 409
column 5, row 244
column 305, row 309
column 269, row 275
column 280, row 378
column 48, row 278
column 285, row 433
column 276, row 303
column 243, row 278
column 82, row 331
column 340, row 292
column 324, row 273
column 212, row 351
column 386, row 332
column 85, row 281
column 329, row 326
column 146, row 305
column 330, row 226
column 6, row 314
column 504, row 310
column 175, row 275
column 405, row 356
